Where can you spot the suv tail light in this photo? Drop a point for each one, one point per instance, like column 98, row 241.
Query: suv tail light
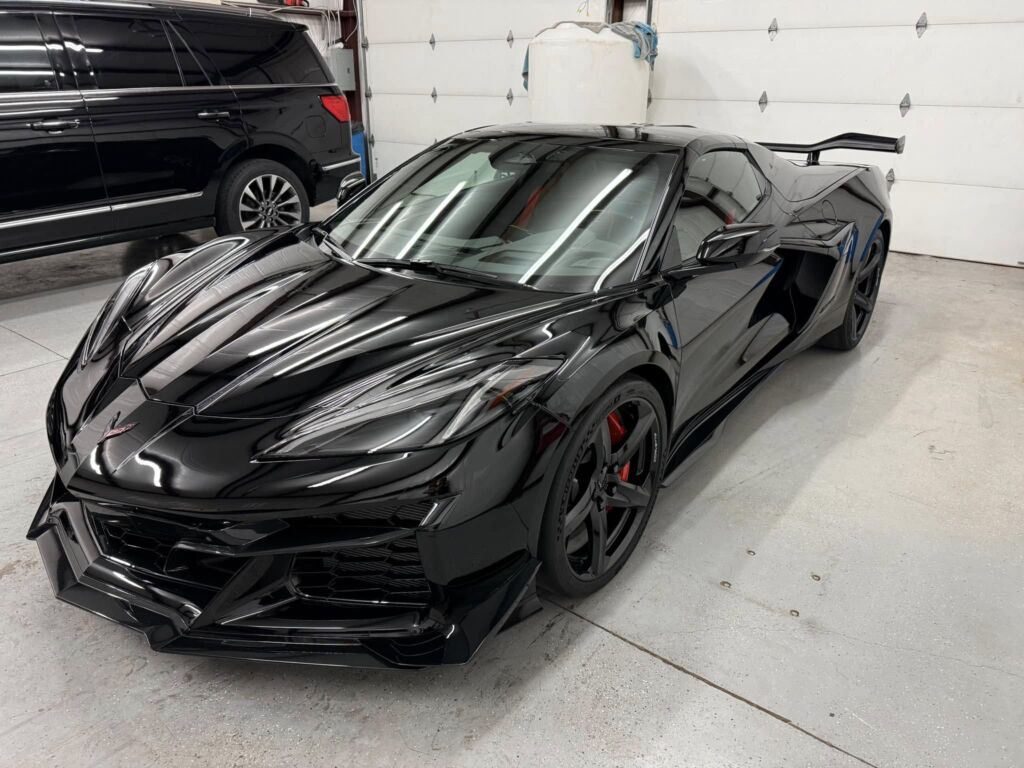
column 337, row 105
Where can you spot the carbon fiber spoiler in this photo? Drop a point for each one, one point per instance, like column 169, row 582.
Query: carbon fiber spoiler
column 864, row 141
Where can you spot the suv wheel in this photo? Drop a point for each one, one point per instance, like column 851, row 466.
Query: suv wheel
column 260, row 194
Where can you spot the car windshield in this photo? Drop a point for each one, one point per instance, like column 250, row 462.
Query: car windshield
column 555, row 216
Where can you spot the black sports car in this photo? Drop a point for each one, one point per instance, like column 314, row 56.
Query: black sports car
column 363, row 442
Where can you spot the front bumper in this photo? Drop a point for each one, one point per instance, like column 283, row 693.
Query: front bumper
column 250, row 601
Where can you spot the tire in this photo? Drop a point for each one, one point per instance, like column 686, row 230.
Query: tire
column 862, row 300
column 272, row 195
column 569, row 565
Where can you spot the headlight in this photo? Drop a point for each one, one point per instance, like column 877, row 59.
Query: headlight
column 425, row 411
column 100, row 330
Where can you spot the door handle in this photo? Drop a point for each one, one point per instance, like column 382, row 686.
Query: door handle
column 54, row 126
column 212, row 115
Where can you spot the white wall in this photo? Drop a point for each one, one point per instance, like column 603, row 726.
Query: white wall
column 838, row 65
column 471, row 66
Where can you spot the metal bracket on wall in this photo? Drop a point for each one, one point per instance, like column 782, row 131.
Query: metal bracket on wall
column 773, row 29
column 432, row 41
column 890, row 178
column 433, row 94
column 371, row 141
column 922, row 24
column 369, row 92
column 763, row 101
column 905, row 105
column 366, row 42
column 509, row 97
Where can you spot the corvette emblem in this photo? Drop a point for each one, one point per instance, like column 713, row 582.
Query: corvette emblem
column 115, row 431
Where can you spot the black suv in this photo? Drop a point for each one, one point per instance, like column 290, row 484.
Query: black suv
column 121, row 120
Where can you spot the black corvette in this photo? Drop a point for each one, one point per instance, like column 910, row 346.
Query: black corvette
column 364, row 442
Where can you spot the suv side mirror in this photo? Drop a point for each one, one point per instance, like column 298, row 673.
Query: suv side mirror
column 350, row 186
column 738, row 245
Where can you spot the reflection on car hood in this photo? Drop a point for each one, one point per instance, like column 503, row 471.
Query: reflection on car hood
column 260, row 328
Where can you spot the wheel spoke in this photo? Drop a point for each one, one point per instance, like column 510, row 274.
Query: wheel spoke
column 871, row 265
column 598, row 539
column 862, row 301
column 578, row 515
column 630, row 495
column 635, row 439
column 602, row 444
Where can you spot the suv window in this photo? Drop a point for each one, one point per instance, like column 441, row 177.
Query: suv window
column 720, row 188
column 128, row 53
column 256, row 53
column 196, row 67
column 24, row 65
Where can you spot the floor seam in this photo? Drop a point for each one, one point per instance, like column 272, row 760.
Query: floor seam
column 711, row 683
column 26, row 338
column 32, row 367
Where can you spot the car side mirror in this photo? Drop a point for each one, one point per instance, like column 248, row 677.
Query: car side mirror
column 350, row 186
column 738, row 245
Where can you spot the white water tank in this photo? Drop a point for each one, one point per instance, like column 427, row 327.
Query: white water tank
column 578, row 76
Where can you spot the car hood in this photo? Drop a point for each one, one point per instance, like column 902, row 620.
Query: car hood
column 266, row 326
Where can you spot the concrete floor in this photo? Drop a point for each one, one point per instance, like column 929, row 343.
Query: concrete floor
column 839, row 581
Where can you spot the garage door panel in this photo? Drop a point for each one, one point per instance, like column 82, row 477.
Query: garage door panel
column 404, row 119
column 693, row 15
column 462, row 19
column 390, row 154
column 478, row 67
column 876, row 66
column 389, row 21
column 400, row 68
column 959, row 221
column 461, row 113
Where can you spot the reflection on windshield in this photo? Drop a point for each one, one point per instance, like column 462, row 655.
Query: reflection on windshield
column 559, row 217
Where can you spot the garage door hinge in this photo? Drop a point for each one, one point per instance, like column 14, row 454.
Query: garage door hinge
column 433, row 93
column 366, row 42
column 890, row 178
column 510, row 39
column 509, row 97
column 922, row 24
column 369, row 92
column 432, row 41
column 773, row 29
column 905, row 105
column 763, row 101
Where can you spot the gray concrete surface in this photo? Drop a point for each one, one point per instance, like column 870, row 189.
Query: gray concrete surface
column 839, row 581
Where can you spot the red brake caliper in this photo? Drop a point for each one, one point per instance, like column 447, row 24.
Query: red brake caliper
column 618, row 432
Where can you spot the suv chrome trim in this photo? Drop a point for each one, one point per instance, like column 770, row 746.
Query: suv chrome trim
column 155, row 201
column 98, row 209
column 54, row 217
column 343, row 163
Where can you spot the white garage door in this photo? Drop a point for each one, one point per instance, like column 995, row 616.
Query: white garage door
column 838, row 65
column 472, row 66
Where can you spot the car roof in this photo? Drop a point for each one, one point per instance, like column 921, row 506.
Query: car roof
column 184, row 7
column 669, row 135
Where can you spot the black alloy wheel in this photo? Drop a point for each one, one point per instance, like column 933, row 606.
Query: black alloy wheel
column 862, row 300
column 605, row 490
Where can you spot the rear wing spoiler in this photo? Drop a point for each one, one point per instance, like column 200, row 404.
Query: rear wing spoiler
column 863, row 141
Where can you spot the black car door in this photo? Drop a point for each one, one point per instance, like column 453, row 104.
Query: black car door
column 164, row 124
column 51, row 186
column 716, row 310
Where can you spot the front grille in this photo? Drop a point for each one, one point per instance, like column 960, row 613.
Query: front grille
column 387, row 573
column 392, row 514
column 145, row 544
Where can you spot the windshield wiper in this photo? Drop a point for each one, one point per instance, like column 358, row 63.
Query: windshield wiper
column 447, row 270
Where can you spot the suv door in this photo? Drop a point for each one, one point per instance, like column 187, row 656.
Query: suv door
column 718, row 311
column 164, row 123
column 51, row 189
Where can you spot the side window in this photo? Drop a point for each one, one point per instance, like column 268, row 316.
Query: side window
column 128, row 53
column 720, row 188
column 196, row 67
column 24, row 65
column 254, row 53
